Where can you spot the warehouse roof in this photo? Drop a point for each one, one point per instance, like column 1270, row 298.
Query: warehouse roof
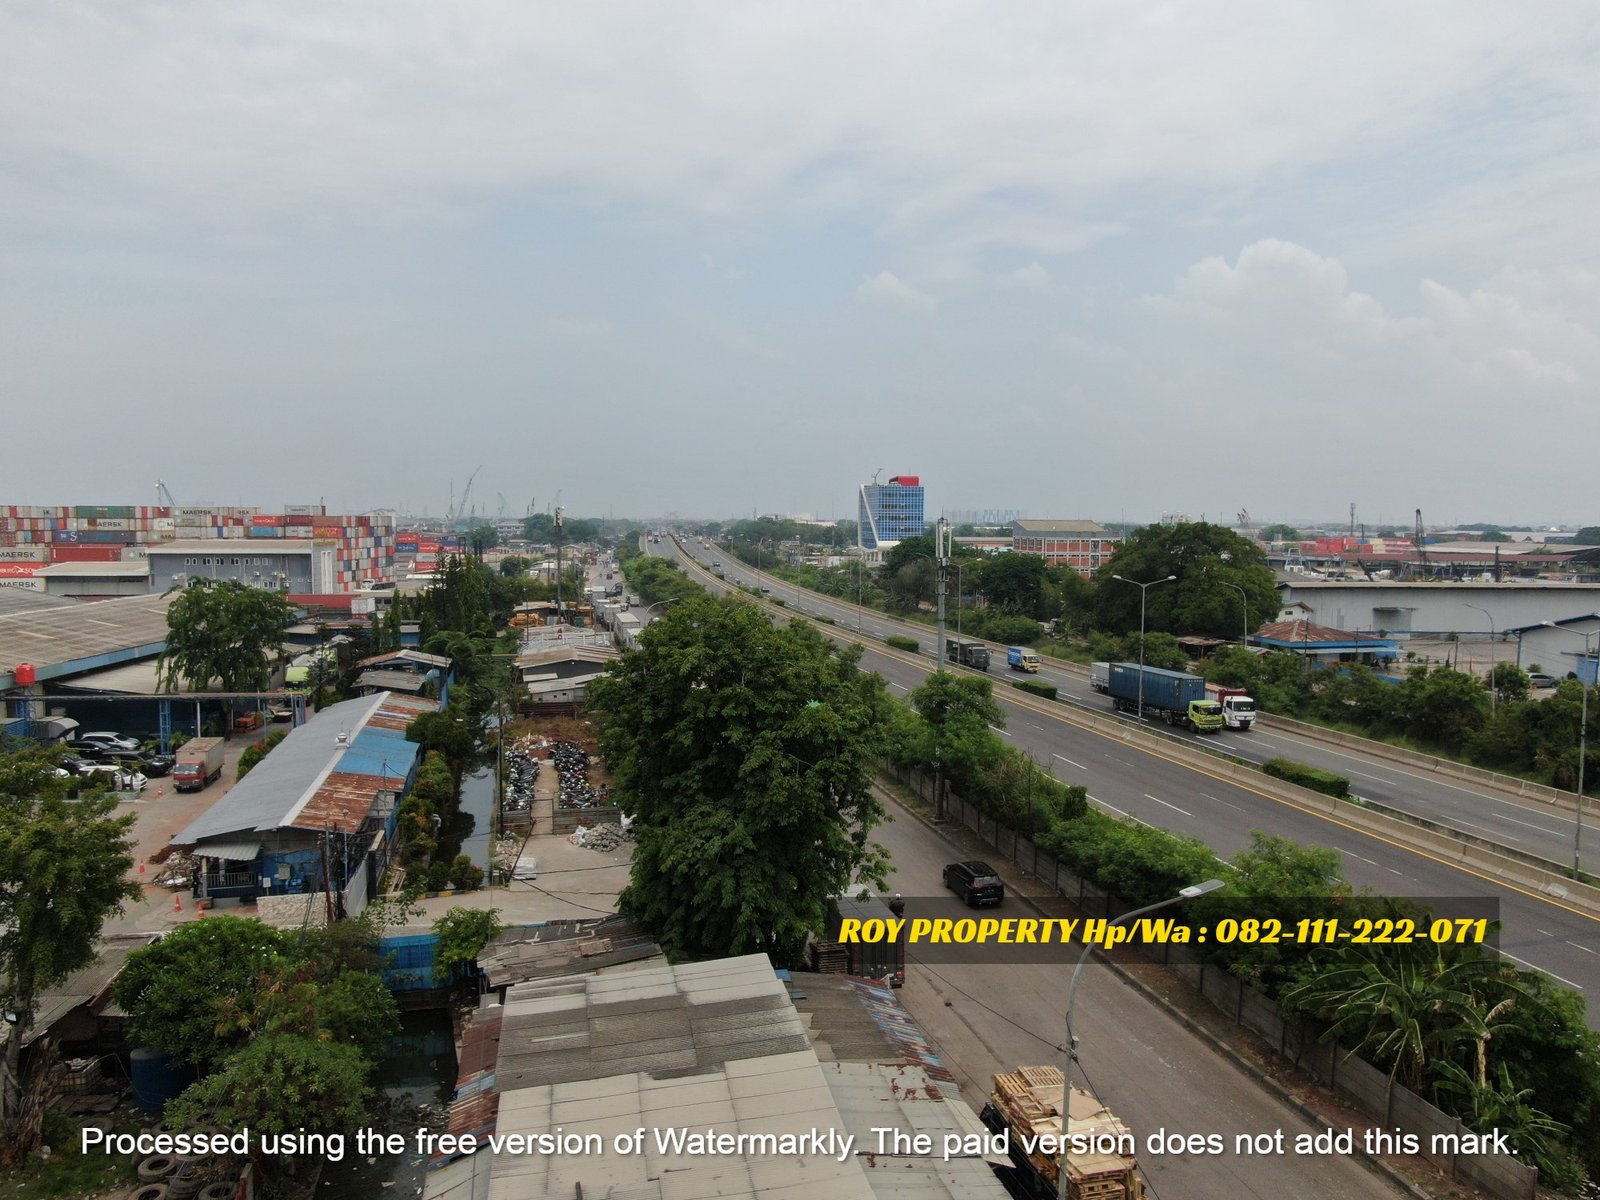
column 21, row 600
column 73, row 638
column 1032, row 526
column 228, row 546
column 138, row 568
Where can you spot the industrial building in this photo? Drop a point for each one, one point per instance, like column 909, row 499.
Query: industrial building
column 1082, row 545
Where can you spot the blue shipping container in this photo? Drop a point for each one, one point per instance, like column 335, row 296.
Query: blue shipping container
column 1163, row 690
column 260, row 531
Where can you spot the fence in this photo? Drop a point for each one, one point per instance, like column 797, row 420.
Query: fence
column 1333, row 1066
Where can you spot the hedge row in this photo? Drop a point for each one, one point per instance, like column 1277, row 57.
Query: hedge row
column 1036, row 687
column 902, row 643
column 1314, row 778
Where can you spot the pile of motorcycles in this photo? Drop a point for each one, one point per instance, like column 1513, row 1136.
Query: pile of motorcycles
column 522, row 772
column 572, row 762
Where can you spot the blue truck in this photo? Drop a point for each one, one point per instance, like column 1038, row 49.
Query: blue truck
column 1020, row 658
column 1178, row 698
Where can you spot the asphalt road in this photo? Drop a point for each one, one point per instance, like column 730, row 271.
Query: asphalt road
column 1537, row 932
column 1152, row 1072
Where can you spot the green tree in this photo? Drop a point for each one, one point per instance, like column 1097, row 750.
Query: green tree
column 177, row 991
column 63, row 871
column 1510, row 682
column 746, row 753
column 1279, row 533
column 253, row 754
column 281, row 1083
column 514, row 566
column 1443, row 706
column 1206, row 559
column 481, row 538
column 907, row 552
column 463, row 933
column 959, row 715
column 226, row 631
column 1014, row 583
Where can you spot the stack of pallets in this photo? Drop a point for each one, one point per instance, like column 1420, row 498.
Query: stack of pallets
column 1029, row 1100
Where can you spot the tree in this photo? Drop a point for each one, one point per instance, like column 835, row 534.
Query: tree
column 746, row 753
column 1510, row 682
column 1014, row 583
column 281, row 1083
column 1442, row 706
column 253, row 754
column 63, row 871
column 907, row 552
column 176, row 990
column 481, row 538
column 514, row 566
column 1206, row 559
column 463, row 933
column 960, row 716
column 223, row 630
column 1279, row 533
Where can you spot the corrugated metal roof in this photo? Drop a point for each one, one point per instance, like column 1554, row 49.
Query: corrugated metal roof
column 1299, row 632
column 407, row 656
column 1040, row 526
column 134, row 569
column 396, row 681
column 287, row 780
column 56, row 639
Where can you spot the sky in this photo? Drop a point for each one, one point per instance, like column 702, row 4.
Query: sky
column 1099, row 259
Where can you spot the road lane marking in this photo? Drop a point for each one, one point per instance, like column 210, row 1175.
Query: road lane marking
column 1220, row 800
column 1362, row 857
column 1069, row 762
column 1379, row 778
column 1486, row 829
column 1585, row 949
column 1530, row 825
column 1173, row 807
column 1001, row 732
column 1536, row 967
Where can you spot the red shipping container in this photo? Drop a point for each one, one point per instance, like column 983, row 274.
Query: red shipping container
column 68, row 552
column 326, row 531
column 267, row 519
column 18, row 570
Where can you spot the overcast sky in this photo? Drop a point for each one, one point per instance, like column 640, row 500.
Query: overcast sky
column 1079, row 259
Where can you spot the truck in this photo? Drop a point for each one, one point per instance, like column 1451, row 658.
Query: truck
column 1238, row 709
column 967, row 652
column 1100, row 677
column 199, row 763
column 884, row 959
column 1026, row 1106
column 1178, row 698
column 1020, row 658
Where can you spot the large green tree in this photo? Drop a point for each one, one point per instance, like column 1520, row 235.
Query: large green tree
column 63, row 870
column 745, row 753
column 224, row 630
column 959, row 716
column 279, row 1083
column 1015, row 583
column 1210, row 563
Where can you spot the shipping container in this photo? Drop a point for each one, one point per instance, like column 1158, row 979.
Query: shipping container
column 267, row 519
column 19, row 570
column 266, row 531
column 32, row 554
column 62, row 554
column 304, row 510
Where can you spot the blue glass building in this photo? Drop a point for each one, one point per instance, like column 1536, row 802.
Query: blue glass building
column 889, row 513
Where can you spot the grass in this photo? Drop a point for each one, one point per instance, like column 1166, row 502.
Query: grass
column 69, row 1175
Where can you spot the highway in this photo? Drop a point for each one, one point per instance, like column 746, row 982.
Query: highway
column 1538, row 932
column 1527, row 825
column 1152, row 1071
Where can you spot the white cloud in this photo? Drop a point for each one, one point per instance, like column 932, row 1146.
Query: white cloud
column 1032, row 276
column 889, row 290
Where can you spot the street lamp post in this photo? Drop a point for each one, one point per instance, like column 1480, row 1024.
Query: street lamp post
column 1492, row 635
column 1583, row 745
column 1245, row 640
column 1144, row 589
column 1188, row 893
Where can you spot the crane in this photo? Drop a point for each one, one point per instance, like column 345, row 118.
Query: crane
column 161, row 490
column 1422, row 555
column 459, row 507
column 501, row 515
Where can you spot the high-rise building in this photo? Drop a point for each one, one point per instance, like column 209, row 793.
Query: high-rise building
column 889, row 514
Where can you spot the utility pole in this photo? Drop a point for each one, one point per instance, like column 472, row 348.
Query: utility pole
column 560, row 613
column 942, row 558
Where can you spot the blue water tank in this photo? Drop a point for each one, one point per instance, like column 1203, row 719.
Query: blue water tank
column 157, row 1078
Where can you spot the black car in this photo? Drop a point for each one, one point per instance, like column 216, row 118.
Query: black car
column 146, row 762
column 975, row 882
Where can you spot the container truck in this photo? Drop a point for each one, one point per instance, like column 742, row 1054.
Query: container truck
column 1238, row 709
column 1026, row 1106
column 1100, row 677
column 199, row 762
column 967, row 653
column 1020, row 658
column 1178, row 698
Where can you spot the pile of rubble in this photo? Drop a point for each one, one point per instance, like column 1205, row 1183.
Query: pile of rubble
column 177, row 870
column 603, row 837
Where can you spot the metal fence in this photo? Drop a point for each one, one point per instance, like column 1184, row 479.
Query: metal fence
column 1335, row 1067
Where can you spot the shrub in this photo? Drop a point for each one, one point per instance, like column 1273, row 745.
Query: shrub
column 1314, row 778
column 465, row 874
column 826, row 621
column 1035, row 687
column 902, row 643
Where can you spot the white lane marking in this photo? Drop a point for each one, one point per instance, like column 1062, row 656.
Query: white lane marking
column 1535, row 967
column 901, row 686
column 1379, row 778
column 1220, row 800
column 1585, row 949
column 1115, row 759
column 1001, row 732
column 1069, row 762
column 1173, row 807
column 1392, row 871
column 1353, row 854
column 1529, row 824
column 1486, row 829
column 1546, row 932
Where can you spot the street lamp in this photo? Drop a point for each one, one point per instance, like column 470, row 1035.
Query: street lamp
column 1583, row 744
column 1245, row 640
column 1144, row 589
column 1492, row 689
column 1188, row 893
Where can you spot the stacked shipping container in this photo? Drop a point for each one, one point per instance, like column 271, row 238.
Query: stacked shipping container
column 36, row 535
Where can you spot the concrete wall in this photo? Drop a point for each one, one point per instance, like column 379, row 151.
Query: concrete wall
column 244, row 560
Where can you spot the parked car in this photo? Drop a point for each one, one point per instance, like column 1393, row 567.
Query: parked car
column 1539, row 679
column 975, row 882
column 108, row 741
column 121, row 778
column 146, row 761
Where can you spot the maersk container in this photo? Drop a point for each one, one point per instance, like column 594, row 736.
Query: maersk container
column 1164, row 691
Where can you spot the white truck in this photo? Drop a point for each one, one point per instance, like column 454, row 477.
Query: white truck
column 1238, row 709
